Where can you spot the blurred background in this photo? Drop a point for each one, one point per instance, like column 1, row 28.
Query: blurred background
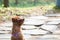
column 27, row 3
column 41, row 16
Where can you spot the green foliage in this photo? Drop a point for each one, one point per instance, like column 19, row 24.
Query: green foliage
column 28, row 3
column 1, row 1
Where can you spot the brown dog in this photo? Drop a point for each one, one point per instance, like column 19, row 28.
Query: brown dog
column 16, row 30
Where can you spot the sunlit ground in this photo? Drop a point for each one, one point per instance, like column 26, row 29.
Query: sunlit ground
column 7, row 13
